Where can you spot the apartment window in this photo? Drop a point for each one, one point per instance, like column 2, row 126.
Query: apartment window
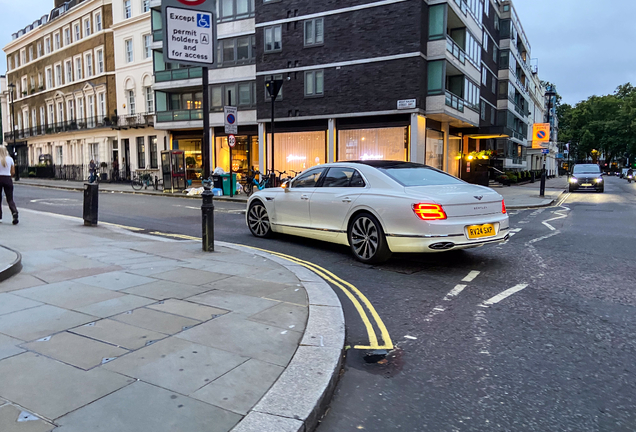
column 100, row 61
column 235, row 9
column 31, row 53
column 49, row 78
column 60, row 112
column 147, row 42
column 17, row 60
column 68, row 69
column 90, row 114
column 56, row 41
column 78, row 69
column 141, row 153
column 495, row 53
column 240, row 50
column 47, row 45
column 24, row 84
column 51, row 114
column 87, row 27
column 314, row 32
column 483, row 110
column 70, row 110
column 23, row 56
column 487, row 7
column 473, row 49
column 484, row 76
column 241, row 94
column 493, row 84
column 89, row 65
column 150, row 99
column 129, row 50
column 39, row 49
column 34, row 119
column 32, row 79
column 127, row 9
column 493, row 116
column 145, row 5
column 98, row 22
column 152, row 140
column 101, row 105
column 80, row 109
column 485, row 41
column 76, row 31
column 436, row 77
column 436, row 22
column 58, row 75
column 471, row 94
column 131, row 102
column 273, row 38
column 67, row 36
column 40, row 81
column 314, row 83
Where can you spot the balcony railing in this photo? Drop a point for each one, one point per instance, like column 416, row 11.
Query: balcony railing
column 453, row 48
column 454, row 101
column 179, row 115
column 178, row 74
column 135, row 121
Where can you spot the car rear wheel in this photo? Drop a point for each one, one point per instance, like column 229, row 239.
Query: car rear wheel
column 258, row 221
column 367, row 240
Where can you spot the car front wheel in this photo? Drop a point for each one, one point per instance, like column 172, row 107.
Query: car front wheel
column 258, row 221
column 367, row 240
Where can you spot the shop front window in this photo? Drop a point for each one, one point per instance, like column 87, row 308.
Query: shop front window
column 298, row 151
column 435, row 149
column 244, row 154
column 372, row 144
column 454, row 147
column 193, row 158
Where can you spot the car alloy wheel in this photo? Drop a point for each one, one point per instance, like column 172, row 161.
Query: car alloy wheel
column 367, row 240
column 258, row 220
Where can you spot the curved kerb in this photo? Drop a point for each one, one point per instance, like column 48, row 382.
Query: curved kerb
column 12, row 269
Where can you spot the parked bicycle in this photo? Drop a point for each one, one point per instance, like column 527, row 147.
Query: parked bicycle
column 251, row 182
column 143, row 180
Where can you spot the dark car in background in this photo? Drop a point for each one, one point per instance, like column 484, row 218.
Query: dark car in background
column 587, row 177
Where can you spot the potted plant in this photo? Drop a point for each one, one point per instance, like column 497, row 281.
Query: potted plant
column 24, row 93
column 103, row 175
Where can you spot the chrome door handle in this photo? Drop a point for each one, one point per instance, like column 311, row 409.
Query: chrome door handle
column 304, row 197
column 346, row 200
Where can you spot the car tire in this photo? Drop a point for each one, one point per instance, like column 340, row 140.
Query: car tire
column 367, row 240
column 602, row 190
column 258, row 221
column 570, row 190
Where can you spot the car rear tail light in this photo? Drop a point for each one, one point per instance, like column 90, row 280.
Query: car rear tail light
column 429, row 211
column 503, row 207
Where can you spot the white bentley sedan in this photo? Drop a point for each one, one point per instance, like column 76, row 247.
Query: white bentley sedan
column 381, row 207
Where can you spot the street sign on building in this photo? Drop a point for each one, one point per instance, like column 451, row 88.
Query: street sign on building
column 189, row 28
column 231, row 120
column 545, row 151
column 540, row 134
column 406, row 104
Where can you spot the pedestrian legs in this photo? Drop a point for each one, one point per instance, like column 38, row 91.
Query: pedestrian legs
column 7, row 185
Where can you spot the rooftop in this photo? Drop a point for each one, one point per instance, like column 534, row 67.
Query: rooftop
column 53, row 15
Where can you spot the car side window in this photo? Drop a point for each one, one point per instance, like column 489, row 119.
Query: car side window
column 308, row 180
column 342, row 177
column 357, row 180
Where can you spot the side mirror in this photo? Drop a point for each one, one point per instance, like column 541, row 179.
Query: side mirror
column 285, row 186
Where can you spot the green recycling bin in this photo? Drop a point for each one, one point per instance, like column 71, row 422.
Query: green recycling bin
column 227, row 183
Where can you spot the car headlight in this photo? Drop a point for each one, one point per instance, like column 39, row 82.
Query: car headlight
column 600, row 179
column 573, row 180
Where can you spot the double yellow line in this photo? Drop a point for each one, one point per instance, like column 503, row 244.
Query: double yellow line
column 349, row 290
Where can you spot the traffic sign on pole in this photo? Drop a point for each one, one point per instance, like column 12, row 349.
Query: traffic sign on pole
column 545, row 151
column 189, row 31
column 231, row 120
column 231, row 141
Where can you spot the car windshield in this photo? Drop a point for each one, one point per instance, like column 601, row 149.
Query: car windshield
column 420, row 176
column 586, row 169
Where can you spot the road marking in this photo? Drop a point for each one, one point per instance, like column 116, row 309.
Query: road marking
column 455, row 291
column 122, row 226
column 177, row 236
column 545, row 237
column 471, row 276
column 560, row 216
column 501, row 296
column 410, row 337
column 564, row 199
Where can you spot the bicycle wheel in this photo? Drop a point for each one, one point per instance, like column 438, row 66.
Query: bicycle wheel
column 137, row 184
column 249, row 189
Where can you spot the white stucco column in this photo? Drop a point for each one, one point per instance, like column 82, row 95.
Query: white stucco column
column 261, row 147
column 331, row 141
column 417, row 149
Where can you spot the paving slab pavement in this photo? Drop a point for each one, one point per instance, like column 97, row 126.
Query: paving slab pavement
column 110, row 330
column 527, row 195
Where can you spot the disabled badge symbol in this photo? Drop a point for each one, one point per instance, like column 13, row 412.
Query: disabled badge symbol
column 203, row 20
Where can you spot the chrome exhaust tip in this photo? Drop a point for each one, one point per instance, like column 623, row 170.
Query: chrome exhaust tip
column 442, row 246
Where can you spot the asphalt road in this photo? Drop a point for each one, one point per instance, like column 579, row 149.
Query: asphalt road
column 558, row 355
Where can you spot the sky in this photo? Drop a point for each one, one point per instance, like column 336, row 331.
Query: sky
column 583, row 46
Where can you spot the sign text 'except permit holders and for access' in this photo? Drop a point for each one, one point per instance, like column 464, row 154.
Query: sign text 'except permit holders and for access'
column 190, row 36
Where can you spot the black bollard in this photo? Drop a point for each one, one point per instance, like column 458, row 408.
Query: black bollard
column 91, row 195
column 207, row 215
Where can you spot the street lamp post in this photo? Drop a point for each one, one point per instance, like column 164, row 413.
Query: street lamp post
column 273, row 88
column 12, row 97
column 550, row 94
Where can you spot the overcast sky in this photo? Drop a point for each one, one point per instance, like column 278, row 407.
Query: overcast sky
column 583, row 46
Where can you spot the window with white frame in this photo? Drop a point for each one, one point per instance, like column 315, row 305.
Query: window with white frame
column 42, row 118
column 80, row 109
column 77, row 32
column 47, row 45
column 23, row 56
column 101, row 105
column 51, row 114
column 127, row 9
column 68, row 71
column 87, row 27
column 150, row 99
column 314, row 32
column 31, row 53
column 59, row 160
column 39, row 49
column 131, row 102
column 98, row 21
column 56, row 41
column 314, row 83
column 100, row 61
column 145, row 5
column 58, row 75
column 67, row 36
column 70, row 110
column 40, row 81
column 484, row 76
column 32, row 79
column 235, row 9
column 17, row 60
column 273, row 38
column 78, row 69
column 147, row 42
column 90, row 111
column 49, row 78
column 24, row 85
column 128, row 43
column 34, row 119
column 88, row 60
column 60, row 112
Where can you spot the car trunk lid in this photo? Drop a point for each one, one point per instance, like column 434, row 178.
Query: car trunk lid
column 458, row 200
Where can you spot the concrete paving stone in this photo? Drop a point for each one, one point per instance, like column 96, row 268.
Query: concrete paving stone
column 10, row 416
column 284, row 315
column 164, row 265
column 243, row 304
column 40, row 321
column 176, row 364
column 75, row 350
column 163, row 289
column 156, row 321
column 142, row 407
column 68, row 294
column 115, row 280
column 291, row 294
column 303, row 273
column 150, row 270
column 62, row 273
column 321, row 294
column 80, row 263
column 132, row 261
column 52, row 389
column 20, row 281
column 13, row 303
column 241, row 388
column 302, row 385
column 188, row 309
column 247, row 286
column 117, row 333
column 325, row 327
column 261, row 422
column 115, row 306
column 232, row 269
column 191, row 276
column 281, row 275
column 9, row 347
column 234, row 333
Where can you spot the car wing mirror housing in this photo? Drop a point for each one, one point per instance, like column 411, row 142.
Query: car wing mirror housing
column 285, row 186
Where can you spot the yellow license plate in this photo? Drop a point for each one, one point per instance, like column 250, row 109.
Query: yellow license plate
column 480, row 231
column 586, row 184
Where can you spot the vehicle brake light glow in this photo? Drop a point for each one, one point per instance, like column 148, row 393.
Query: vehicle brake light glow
column 429, row 211
column 503, row 207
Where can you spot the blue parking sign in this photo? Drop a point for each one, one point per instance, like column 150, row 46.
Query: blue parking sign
column 203, row 20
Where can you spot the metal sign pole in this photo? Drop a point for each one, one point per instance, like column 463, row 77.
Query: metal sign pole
column 205, row 148
column 229, row 102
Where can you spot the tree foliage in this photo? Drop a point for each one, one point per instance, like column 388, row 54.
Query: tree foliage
column 606, row 124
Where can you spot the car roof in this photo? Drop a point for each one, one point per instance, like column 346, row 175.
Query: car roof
column 388, row 164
